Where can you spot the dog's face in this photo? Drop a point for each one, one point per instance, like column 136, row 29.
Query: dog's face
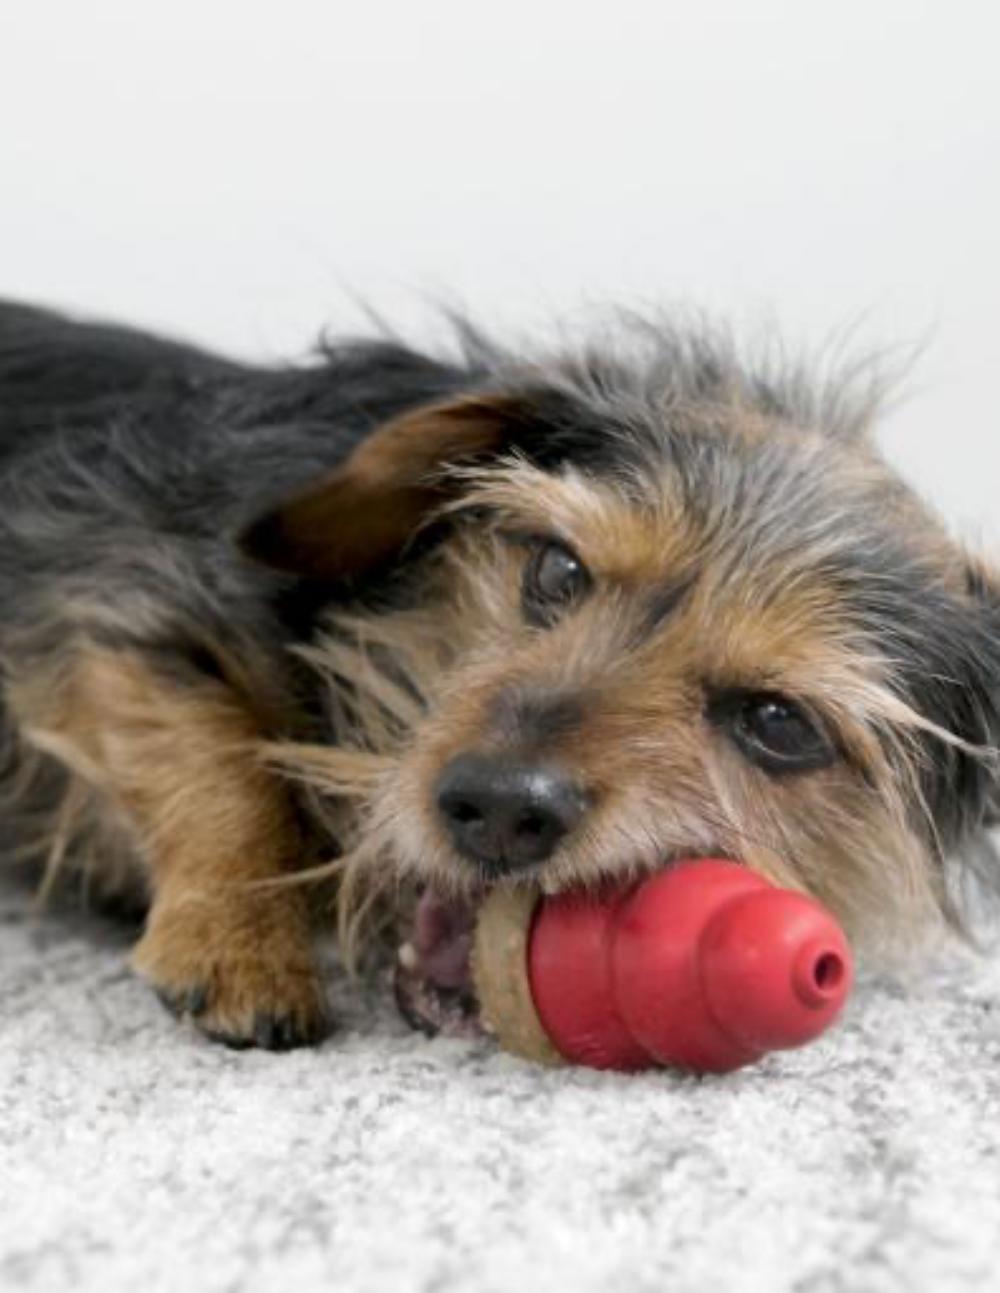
column 652, row 628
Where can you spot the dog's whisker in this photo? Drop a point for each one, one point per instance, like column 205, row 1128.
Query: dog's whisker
column 335, row 770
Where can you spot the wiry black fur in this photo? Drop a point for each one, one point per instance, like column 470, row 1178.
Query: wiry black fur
column 129, row 464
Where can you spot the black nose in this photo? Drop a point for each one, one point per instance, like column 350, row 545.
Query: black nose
column 504, row 814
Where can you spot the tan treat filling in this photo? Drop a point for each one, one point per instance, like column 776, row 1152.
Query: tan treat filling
column 500, row 974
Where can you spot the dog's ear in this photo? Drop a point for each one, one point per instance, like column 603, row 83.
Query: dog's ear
column 982, row 580
column 960, row 691
column 982, row 642
column 357, row 519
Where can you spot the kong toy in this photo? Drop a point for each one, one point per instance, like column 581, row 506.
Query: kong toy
column 704, row 965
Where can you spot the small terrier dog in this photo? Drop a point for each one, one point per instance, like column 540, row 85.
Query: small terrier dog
column 426, row 625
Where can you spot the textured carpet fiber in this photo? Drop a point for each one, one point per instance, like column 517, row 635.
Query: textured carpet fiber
column 135, row 1156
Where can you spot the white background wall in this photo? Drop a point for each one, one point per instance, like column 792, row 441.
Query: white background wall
column 241, row 172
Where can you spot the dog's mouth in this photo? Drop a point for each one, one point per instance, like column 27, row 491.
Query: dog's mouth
column 433, row 973
column 433, row 978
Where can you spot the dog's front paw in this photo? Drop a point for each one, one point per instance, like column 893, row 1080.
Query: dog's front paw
column 245, row 973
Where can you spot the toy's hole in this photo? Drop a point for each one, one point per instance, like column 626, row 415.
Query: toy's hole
column 828, row 972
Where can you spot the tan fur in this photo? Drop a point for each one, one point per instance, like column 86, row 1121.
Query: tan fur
column 180, row 767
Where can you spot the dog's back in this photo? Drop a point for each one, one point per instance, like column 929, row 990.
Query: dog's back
column 242, row 430
column 57, row 373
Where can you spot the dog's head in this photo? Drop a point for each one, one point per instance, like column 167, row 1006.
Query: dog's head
column 635, row 610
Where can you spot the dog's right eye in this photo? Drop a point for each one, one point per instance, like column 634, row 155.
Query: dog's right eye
column 773, row 731
column 554, row 579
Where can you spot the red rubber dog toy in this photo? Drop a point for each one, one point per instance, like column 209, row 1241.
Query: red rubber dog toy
column 705, row 965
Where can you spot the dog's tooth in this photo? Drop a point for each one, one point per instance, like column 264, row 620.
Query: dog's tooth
column 407, row 955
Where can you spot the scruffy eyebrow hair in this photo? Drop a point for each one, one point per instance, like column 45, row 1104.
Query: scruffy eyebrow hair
column 667, row 598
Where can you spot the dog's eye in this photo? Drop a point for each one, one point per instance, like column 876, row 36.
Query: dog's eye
column 772, row 731
column 553, row 579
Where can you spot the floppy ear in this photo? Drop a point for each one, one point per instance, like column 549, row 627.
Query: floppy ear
column 982, row 580
column 963, row 678
column 358, row 518
column 983, row 583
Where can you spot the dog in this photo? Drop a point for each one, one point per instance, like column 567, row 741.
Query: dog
column 388, row 628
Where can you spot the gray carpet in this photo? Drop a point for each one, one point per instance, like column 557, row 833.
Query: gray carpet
column 135, row 1156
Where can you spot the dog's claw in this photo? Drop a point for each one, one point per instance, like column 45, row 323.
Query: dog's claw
column 272, row 1033
column 197, row 1000
column 168, row 999
column 262, row 990
column 182, row 1001
column 265, row 1032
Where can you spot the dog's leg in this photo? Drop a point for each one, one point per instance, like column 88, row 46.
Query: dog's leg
column 177, row 757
